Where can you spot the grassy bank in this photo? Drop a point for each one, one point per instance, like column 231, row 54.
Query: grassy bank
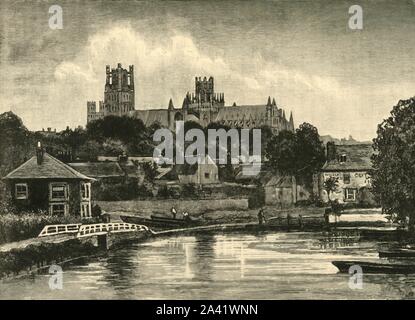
column 146, row 208
column 16, row 227
column 17, row 260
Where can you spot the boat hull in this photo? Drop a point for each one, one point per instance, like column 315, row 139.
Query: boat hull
column 376, row 267
column 159, row 222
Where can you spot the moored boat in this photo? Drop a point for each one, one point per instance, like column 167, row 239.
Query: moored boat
column 376, row 267
column 397, row 253
column 160, row 222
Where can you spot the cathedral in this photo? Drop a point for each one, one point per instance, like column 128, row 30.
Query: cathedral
column 204, row 106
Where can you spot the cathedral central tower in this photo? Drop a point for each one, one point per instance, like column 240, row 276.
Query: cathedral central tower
column 119, row 91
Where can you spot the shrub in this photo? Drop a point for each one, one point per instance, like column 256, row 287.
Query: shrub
column 189, row 191
column 165, row 192
column 20, row 259
column 117, row 191
column 256, row 198
column 16, row 227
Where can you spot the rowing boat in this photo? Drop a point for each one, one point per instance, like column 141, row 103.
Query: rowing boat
column 376, row 267
column 161, row 222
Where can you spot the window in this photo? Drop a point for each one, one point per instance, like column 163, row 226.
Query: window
column 343, row 157
column 85, row 210
column 21, row 191
column 58, row 209
column 207, row 175
column 85, row 191
column 58, row 191
column 351, row 194
column 346, row 178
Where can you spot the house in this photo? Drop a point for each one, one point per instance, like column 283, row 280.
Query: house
column 109, row 171
column 280, row 190
column 45, row 183
column 350, row 164
column 284, row 191
column 198, row 173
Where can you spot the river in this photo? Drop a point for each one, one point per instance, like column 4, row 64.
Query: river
column 277, row 265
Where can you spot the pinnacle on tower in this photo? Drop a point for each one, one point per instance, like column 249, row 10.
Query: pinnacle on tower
column 273, row 102
column 171, row 106
column 269, row 101
column 291, row 120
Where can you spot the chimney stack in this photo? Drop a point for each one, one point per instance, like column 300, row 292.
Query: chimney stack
column 39, row 153
column 331, row 151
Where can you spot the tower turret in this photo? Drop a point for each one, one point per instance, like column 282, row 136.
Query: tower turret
column 171, row 106
column 291, row 123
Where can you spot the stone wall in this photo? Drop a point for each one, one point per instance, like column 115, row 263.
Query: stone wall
column 148, row 207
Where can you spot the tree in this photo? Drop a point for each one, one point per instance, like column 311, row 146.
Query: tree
column 310, row 153
column 331, row 185
column 150, row 171
column 131, row 132
column 300, row 153
column 393, row 174
column 280, row 152
column 16, row 142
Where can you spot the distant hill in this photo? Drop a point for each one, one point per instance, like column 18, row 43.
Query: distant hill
column 342, row 141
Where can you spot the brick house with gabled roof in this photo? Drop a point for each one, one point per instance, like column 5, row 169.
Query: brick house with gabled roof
column 45, row 183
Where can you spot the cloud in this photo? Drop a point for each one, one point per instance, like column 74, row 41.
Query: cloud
column 166, row 66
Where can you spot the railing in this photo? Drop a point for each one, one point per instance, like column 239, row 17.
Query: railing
column 85, row 230
column 52, row 230
column 103, row 228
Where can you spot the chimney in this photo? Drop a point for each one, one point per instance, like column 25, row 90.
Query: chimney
column 331, row 151
column 39, row 153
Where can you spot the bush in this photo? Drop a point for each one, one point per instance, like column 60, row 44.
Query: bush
column 256, row 198
column 189, row 191
column 20, row 259
column 16, row 227
column 165, row 193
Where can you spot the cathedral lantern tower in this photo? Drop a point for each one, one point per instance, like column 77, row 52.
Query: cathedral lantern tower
column 119, row 93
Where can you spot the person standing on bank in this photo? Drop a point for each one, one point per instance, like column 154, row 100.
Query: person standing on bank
column 261, row 216
column 173, row 212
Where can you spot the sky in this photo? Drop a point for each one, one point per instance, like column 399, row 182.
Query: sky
column 343, row 81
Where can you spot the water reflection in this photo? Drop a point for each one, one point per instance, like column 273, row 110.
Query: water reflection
column 286, row 265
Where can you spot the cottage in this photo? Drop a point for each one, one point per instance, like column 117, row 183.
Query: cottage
column 350, row 164
column 198, row 173
column 45, row 183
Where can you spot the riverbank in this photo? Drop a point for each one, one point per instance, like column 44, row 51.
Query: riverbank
column 236, row 217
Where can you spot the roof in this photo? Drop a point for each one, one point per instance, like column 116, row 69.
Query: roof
column 162, row 172
column 131, row 169
column 358, row 158
column 99, row 169
column 278, row 181
column 153, row 115
column 50, row 168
